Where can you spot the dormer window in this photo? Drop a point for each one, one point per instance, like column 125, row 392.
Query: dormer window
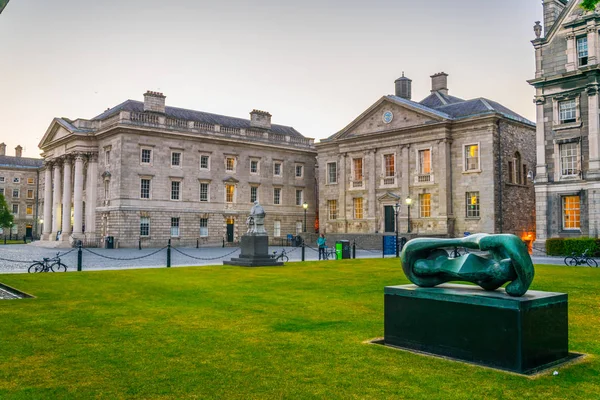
column 582, row 51
column 567, row 111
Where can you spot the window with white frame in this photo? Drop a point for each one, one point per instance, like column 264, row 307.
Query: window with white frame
column 107, row 156
column 331, row 173
column 14, row 229
column 203, row 191
column 203, row 227
column 299, row 197
column 15, row 193
column 31, row 181
column 276, row 228
column 358, row 207
column 582, row 51
column 567, row 111
column 204, row 162
column 568, row 159
column 571, row 213
column 277, row 196
column 357, row 169
column 253, row 194
column 29, row 210
column 144, row 226
column 425, row 205
column 298, row 227
column 15, row 209
column 472, row 201
column 277, row 170
column 254, row 167
column 425, row 161
column 176, row 190
column 332, row 209
column 471, row 157
column 2, row 179
column 389, row 164
column 230, row 164
column 146, row 156
column 229, row 193
column 16, row 180
column 299, row 170
column 174, row 226
column 106, row 189
column 176, row 159
column 30, row 194
column 144, row 188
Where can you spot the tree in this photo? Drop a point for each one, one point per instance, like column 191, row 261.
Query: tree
column 589, row 4
column 6, row 218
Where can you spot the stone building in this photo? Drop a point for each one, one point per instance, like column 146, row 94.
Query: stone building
column 142, row 171
column 463, row 163
column 20, row 183
column 567, row 79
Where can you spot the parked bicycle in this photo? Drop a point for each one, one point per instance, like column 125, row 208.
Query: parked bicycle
column 48, row 265
column 329, row 253
column 281, row 256
column 583, row 259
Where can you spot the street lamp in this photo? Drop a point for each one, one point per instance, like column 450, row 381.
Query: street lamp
column 408, row 203
column 397, row 209
column 10, row 224
column 305, row 206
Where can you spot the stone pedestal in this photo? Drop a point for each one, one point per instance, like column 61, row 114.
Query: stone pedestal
column 519, row 334
column 255, row 252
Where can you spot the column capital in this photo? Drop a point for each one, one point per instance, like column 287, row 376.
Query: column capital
column 67, row 159
column 78, row 156
column 592, row 90
column 539, row 100
column 92, row 157
column 570, row 36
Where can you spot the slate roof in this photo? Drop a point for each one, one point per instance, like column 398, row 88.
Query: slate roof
column 437, row 99
column 200, row 116
column 20, row 162
column 480, row 106
column 419, row 106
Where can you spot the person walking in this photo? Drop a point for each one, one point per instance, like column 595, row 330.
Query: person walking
column 321, row 242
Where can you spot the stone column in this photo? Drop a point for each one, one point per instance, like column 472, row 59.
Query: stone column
column 66, row 202
column 593, row 131
column 539, row 72
column 78, row 197
column 405, row 183
column 571, row 53
column 592, row 37
column 444, row 179
column 541, row 169
column 56, row 201
column 372, row 185
column 343, row 186
column 91, row 195
column 47, row 202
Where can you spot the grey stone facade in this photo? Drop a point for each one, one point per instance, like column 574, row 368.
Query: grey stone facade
column 400, row 131
column 567, row 80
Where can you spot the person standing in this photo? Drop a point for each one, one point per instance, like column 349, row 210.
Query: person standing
column 321, row 242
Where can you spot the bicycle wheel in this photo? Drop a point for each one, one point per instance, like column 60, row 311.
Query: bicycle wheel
column 285, row 258
column 36, row 267
column 58, row 267
column 591, row 262
column 571, row 261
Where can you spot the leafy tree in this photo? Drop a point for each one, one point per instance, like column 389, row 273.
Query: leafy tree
column 6, row 218
column 589, row 4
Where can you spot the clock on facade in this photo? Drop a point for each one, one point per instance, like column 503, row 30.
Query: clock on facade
column 388, row 117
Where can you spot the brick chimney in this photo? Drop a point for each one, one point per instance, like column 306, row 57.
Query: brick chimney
column 439, row 83
column 260, row 119
column 154, row 101
column 2, row 149
column 18, row 151
column 552, row 9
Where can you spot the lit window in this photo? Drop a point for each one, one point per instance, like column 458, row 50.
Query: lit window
column 29, row 210
column 145, row 188
column 175, row 227
column 175, row 190
column 357, row 164
column 30, row 193
column 277, row 169
column 425, row 161
column 582, row 51
column 146, row 157
column 176, row 159
column 277, row 228
column 299, row 171
column 568, row 159
column 253, row 166
column 332, row 173
column 390, row 165
column 425, row 205
column 299, row 196
column 472, row 204
column 253, row 194
column 277, row 196
column 571, row 213
column 204, row 162
column 471, row 157
column 203, row 191
column 30, row 181
column 358, row 208
column 229, row 192
column 567, row 111
column 144, row 226
column 15, row 193
column 203, row 227
column 230, row 164
column 332, row 208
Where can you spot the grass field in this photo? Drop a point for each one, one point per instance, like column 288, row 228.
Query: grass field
column 248, row 333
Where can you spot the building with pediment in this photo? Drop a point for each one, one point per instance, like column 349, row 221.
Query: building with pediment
column 463, row 164
column 567, row 81
column 143, row 171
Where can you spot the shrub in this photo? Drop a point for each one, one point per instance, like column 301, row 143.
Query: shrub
column 565, row 247
column 555, row 246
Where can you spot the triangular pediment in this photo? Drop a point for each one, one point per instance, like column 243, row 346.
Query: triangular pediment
column 388, row 114
column 389, row 197
column 571, row 13
column 56, row 130
column 230, row 179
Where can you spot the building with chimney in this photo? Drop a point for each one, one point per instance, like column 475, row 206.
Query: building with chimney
column 462, row 163
column 146, row 172
column 20, row 183
column 567, row 82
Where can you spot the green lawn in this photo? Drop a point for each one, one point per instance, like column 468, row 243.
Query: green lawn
column 248, row 333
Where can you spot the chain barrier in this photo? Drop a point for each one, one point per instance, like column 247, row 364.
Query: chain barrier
column 291, row 251
column 17, row 261
column 33, row 261
column 68, row 252
column 124, row 259
column 205, row 259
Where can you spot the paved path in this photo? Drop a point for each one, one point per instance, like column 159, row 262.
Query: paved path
column 17, row 258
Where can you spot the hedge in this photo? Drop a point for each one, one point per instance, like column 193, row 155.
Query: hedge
column 565, row 247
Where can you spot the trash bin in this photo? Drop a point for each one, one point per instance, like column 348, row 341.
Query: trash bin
column 298, row 241
column 342, row 249
column 110, row 242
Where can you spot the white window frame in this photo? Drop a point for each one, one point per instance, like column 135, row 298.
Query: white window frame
column 299, row 227
column 575, row 161
column 422, row 207
column 179, row 191
column 142, row 149
column 29, row 207
column 144, row 178
column 280, row 163
column 384, row 165
column 232, row 170
column 18, row 192
column 329, row 181
column 15, row 205
column 355, row 209
column 32, row 194
column 254, row 187
column 475, row 212
column 563, row 214
column 276, row 228
column 582, row 51
column 420, row 170
column 464, row 157
column 332, row 215
column 180, row 165
column 233, row 194
column 2, row 179
column 277, row 200
column 16, row 180
column 31, row 181
column 207, row 191
column 175, row 226
column 257, row 161
column 145, row 221
column 207, row 168
column 301, row 166
column 203, row 232
column 557, row 124
column 301, row 191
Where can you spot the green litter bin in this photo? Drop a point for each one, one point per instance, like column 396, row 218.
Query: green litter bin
column 339, row 246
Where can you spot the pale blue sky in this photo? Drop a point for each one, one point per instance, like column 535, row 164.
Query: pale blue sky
column 315, row 65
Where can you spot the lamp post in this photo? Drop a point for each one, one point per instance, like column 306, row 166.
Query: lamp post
column 408, row 203
column 10, row 225
column 305, row 206
column 397, row 209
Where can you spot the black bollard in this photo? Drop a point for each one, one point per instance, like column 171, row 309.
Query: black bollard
column 4, row 239
column 197, row 243
column 354, row 249
column 223, row 242
column 169, row 254
column 303, row 250
column 139, row 244
column 383, row 246
column 79, row 257
column 24, row 239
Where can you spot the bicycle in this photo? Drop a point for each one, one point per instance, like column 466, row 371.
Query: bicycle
column 281, row 256
column 455, row 253
column 583, row 259
column 48, row 265
column 329, row 253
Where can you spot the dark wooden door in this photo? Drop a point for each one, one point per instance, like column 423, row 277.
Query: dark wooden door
column 390, row 222
column 230, row 233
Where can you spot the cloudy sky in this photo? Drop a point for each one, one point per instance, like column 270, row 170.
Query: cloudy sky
column 315, row 65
